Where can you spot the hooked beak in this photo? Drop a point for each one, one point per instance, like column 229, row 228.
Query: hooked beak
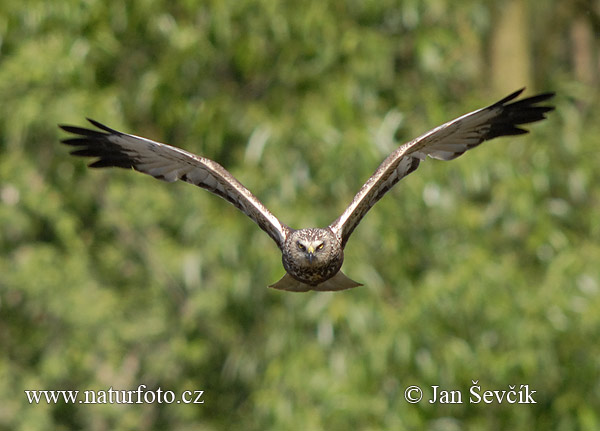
column 311, row 254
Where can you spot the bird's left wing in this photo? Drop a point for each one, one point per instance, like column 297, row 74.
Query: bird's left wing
column 445, row 142
column 168, row 163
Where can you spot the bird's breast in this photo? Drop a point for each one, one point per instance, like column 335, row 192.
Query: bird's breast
column 314, row 272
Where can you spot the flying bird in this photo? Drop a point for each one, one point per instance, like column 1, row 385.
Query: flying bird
column 312, row 257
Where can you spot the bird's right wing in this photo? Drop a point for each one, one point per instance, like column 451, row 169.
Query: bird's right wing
column 170, row 164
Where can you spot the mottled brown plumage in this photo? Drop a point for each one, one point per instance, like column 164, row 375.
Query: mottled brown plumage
column 311, row 257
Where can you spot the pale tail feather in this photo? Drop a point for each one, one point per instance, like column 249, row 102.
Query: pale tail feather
column 338, row 282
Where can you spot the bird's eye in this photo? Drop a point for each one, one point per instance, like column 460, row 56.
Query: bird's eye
column 301, row 246
column 320, row 246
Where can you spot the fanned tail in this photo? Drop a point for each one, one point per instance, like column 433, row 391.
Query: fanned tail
column 338, row 282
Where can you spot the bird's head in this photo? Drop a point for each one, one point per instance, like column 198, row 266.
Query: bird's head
column 309, row 248
column 312, row 247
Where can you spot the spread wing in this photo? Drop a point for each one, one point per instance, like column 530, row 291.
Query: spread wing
column 170, row 164
column 445, row 142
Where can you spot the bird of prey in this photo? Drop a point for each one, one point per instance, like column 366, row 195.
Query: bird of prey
column 312, row 257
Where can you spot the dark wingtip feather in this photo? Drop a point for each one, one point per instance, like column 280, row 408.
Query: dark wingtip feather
column 85, row 152
column 97, row 143
column 75, row 142
column 510, row 97
column 89, row 132
column 118, row 162
column 103, row 127
column 81, row 131
column 541, row 97
column 517, row 113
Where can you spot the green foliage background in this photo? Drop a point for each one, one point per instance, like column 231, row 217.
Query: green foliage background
column 485, row 268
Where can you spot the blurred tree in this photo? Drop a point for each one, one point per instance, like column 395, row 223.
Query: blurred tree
column 510, row 46
column 484, row 268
